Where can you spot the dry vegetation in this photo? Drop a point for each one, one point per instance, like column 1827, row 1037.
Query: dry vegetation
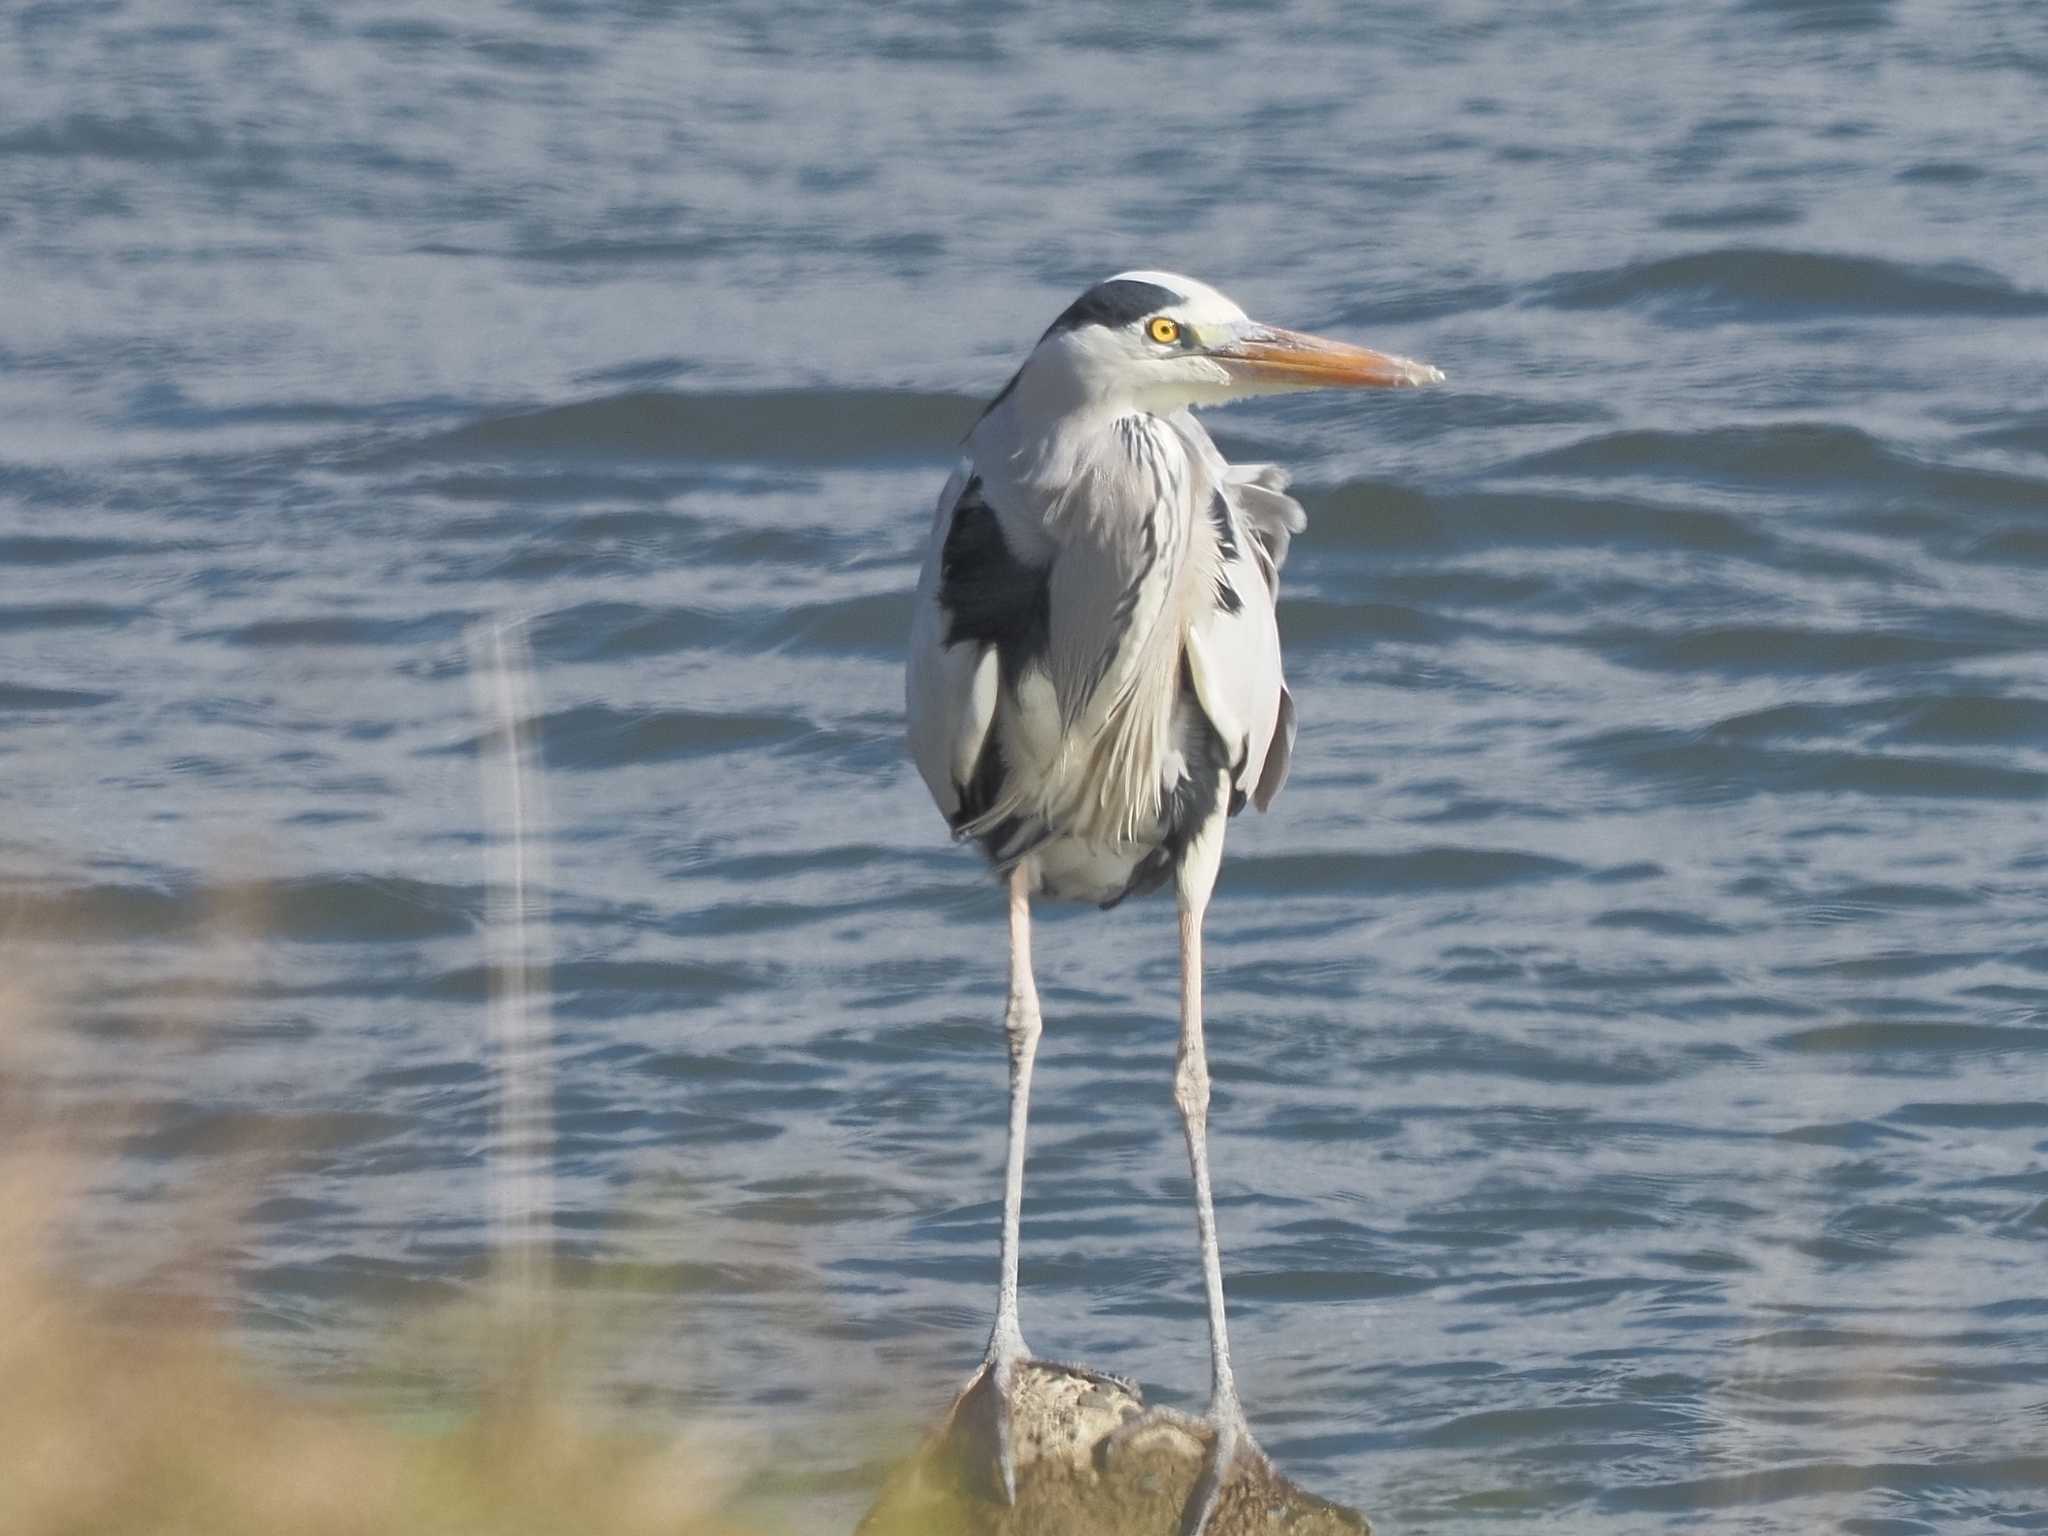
column 123, row 1412
column 110, row 1425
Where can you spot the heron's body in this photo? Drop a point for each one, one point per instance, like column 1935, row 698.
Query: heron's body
column 1092, row 655
column 1095, row 682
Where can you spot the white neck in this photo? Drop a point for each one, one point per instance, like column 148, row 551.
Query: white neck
column 1038, row 437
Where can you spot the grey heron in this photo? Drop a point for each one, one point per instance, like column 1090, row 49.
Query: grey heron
column 1095, row 686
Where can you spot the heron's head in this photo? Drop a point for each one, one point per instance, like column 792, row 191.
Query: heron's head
column 1156, row 341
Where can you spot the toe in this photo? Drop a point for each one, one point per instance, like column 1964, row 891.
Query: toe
column 1208, row 1489
column 981, row 1417
column 1004, row 1382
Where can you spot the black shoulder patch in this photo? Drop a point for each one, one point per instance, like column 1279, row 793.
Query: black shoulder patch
column 1119, row 301
column 989, row 595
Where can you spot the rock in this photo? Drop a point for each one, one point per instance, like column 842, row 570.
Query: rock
column 1067, row 1485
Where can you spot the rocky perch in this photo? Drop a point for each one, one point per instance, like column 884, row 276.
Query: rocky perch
column 1067, row 1485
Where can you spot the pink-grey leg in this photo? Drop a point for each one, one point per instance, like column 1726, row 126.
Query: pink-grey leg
column 1224, row 1427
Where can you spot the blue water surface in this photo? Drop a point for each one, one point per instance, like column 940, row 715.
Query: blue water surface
column 1628, row 1028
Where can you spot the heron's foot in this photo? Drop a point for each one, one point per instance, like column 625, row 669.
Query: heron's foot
column 1228, row 1450
column 991, row 1390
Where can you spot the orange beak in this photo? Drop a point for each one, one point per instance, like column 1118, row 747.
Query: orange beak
column 1267, row 355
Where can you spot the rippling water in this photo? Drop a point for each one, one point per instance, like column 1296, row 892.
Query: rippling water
column 1628, row 1027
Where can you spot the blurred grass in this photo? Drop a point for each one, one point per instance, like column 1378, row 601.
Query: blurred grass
column 125, row 1412
column 133, row 1409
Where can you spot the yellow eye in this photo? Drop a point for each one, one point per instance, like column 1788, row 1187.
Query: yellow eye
column 1164, row 331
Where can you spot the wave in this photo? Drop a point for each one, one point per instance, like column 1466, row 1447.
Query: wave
column 775, row 426
column 24, row 698
column 1824, row 15
column 602, row 631
column 1974, row 718
column 89, row 135
column 1695, row 768
column 597, row 736
column 1778, row 454
column 2028, row 433
column 343, row 629
column 1766, row 283
column 341, row 908
column 1893, row 1038
column 1759, row 215
column 1375, row 514
column 61, row 549
column 870, row 623
column 1439, row 868
column 1744, row 649
column 47, row 616
column 1769, row 452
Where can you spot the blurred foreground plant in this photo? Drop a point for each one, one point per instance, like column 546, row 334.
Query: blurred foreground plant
column 127, row 1410
column 124, row 1411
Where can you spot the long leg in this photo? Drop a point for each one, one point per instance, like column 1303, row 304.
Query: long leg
column 1196, row 879
column 1022, row 1026
column 1229, row 1437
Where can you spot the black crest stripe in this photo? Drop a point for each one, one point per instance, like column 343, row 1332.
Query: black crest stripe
column 1119, row 301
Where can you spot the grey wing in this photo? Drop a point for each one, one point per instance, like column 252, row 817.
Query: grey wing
column 1279, row 755
column 949, row 689
column 1269, row 514
column 1235, row 647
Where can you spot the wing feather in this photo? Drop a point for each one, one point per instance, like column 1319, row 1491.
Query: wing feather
column 949, row 689
column 1279, row 755
column 1271, row 516
column 1240, row 682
